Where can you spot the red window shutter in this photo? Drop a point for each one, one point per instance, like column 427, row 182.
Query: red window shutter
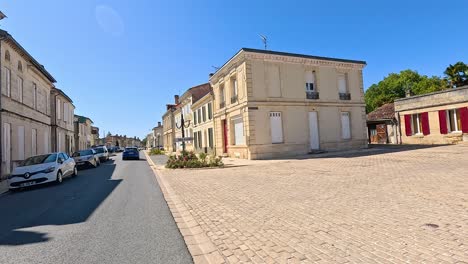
column 464, row 119
column 408, row 125
column 425, row 123
column 443, row 122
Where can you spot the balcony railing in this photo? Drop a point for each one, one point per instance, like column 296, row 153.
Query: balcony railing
column 312, row 95
column 345, row 96
column 222, row 105
column 234, row 99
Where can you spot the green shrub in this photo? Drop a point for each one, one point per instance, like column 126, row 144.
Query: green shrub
column 190, row 160
column 156, row 152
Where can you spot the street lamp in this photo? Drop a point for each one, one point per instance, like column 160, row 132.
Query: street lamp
column 182, row 126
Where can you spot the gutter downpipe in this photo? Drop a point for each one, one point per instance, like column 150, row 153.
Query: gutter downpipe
column 1, row 113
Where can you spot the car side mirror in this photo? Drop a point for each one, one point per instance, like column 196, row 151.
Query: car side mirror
column 60, row 160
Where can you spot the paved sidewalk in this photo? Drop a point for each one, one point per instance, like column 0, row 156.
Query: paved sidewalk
column 403, row 205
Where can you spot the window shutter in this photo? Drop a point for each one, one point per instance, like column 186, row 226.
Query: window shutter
column 425, row 123
column 464, row 119
column 276, row 127
column 408, row 125
column 443, row 122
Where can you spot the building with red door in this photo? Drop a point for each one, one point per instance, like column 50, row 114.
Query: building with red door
column 270, row 104
column 435, row 118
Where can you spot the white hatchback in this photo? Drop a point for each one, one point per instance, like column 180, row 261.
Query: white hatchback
column 42, row 169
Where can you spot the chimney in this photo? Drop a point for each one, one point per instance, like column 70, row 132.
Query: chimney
column 176, row 99
column 159, row 124
column 408, row 93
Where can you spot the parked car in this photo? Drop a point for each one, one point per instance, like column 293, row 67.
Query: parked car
column 87, row 157
column 119, row 149
column 42, row 169
column 102, row 153
column 131, row 153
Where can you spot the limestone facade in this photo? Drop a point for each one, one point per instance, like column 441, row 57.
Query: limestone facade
column 435, row 118
column 25, row 108
column 272, row 104
column 62, row 118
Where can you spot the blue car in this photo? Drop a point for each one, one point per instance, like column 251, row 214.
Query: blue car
column 131, row 153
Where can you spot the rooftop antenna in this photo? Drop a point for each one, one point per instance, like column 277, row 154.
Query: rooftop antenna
column 215, row 67
column 264, row 40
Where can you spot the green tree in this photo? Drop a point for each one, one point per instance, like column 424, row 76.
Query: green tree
column 457, row 74
column 396, row 85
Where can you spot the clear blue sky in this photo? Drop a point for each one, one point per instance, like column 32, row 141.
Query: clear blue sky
column 122, row 61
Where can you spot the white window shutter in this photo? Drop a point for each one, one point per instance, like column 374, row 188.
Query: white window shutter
column 345, row 125
column 238, row 131
column 342, row 83
column 276, row 126
column 21, row 143
column 59, row 116
column 46, row 142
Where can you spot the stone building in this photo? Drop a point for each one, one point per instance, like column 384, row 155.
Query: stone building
column 434, row 118
column 25, row 108
column 83, row 136
column 273, row 104
column 95, row 136
column 168, row 123
column 157, row 136
column 62, row 122
column 203, row 129
column 185, row 108
column 382, row 125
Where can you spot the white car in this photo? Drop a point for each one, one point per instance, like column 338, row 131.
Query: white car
column 86, row 157
column 102, row 153
column 42, row 169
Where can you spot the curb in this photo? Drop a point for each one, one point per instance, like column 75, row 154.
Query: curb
column 198, row 243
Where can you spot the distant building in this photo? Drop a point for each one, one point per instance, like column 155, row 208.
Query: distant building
column 95, row 136
column 382, row 125
column 83, row 137
column 158, row 136
column 25, row 108
column 62, row 121
column 169, row 126
column 149, row 140
column 434, row 118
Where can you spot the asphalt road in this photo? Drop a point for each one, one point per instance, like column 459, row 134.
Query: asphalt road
column 113, row 214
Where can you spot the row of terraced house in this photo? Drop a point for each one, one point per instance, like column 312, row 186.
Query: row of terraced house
column 36, row 117
column 264, row 104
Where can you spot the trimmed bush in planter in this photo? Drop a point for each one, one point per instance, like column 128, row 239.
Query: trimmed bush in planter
column 190, row 160
column 156, row 152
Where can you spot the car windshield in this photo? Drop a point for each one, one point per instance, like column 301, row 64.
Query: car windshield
column 38, row 160
column 99, row 150
column 83, row 153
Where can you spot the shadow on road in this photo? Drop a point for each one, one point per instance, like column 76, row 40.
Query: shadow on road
column 71, row 202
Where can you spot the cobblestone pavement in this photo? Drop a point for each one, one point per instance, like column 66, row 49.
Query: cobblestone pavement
column 395, row 207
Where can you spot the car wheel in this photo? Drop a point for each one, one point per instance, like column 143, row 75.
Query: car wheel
column 59, row 177
column 98, row 162
column 95, row 164
column 75, row 172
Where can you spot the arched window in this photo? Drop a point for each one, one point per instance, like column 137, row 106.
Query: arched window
column 20, row 66
column 7, row 55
